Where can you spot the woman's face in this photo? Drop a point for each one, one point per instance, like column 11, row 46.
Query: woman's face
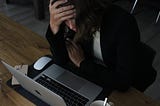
column 71, row 24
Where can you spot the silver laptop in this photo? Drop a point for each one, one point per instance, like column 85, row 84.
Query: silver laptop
column 58, row 87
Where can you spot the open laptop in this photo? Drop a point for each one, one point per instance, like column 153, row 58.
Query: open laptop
column 58, row 87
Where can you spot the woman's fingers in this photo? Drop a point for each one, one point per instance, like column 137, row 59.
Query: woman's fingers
column 65, row 8
column 59, row 15
column 65, row 15
column 70, row 50
column 70, row 46
column 60, row 9
column 76, row 55
column 57, row 3
column 74, row 44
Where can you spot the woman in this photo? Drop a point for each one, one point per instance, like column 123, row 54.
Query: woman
column 102, row 41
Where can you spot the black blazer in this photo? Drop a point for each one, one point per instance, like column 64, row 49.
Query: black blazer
column 121, row 51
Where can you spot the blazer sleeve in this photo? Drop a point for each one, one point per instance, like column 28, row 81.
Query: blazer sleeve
column 120, row 76
column 57, row 45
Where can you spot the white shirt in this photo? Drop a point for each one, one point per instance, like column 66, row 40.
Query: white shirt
column 97, row 48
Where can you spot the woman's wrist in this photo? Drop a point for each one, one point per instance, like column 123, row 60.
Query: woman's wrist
column 54, row 29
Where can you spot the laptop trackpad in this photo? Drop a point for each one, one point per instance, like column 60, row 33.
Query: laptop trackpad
column 71, row 80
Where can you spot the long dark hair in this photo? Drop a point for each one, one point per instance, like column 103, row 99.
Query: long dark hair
column 88, row 17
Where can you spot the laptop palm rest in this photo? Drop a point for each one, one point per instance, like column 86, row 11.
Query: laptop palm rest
column 71, row 81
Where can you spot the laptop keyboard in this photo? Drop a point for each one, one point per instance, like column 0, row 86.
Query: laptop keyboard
column 70, row 97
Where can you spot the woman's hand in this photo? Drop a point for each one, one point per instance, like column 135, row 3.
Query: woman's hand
column 59, row 15
column 75, row 52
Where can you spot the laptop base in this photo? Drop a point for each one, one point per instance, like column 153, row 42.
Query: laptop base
column 19, row 89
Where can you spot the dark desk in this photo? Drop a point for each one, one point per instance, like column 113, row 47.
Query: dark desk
column 20, row 45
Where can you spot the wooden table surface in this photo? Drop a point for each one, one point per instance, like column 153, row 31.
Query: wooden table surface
column 19, row 45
